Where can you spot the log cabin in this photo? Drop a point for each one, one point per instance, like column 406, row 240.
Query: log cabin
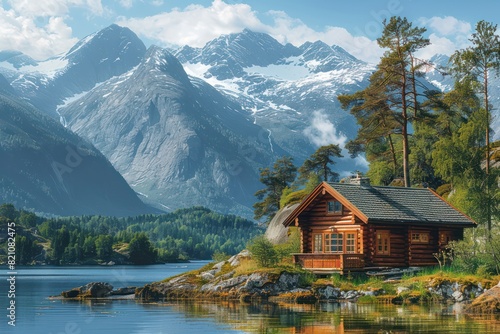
column 349, row 227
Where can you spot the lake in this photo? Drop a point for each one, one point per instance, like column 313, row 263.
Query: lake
column 35, row 313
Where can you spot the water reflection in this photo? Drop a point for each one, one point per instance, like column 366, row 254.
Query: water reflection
column 337, row 318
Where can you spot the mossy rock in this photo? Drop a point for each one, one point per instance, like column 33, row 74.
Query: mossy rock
column 488, row 302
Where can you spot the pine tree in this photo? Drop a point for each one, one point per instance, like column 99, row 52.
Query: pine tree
column 391, row 101
column 319, row 163
column 475, row 63
column 276, row 179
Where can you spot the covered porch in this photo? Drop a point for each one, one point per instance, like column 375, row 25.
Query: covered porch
column 325, row 263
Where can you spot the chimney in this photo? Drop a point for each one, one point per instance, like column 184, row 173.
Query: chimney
column 360, row 180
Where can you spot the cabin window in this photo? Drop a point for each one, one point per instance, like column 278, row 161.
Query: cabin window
column 337, row 242
column 419, row 238
column 334, row 207
column 383, row 246
column 318, row 243
column 445, row 237
column 334, row 243
column 350, row 243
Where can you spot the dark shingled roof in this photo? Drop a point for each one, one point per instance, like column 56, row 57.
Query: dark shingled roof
column 400, row 204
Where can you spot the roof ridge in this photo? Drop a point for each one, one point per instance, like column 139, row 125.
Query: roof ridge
column 372, row 186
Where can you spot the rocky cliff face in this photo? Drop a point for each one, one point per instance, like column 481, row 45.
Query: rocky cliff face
column 53, row 82
column 175, row 139
column 291, row 91
column 48, row 169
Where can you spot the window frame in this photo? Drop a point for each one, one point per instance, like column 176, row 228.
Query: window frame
column 340, row 246
column 334, row 240
column 347, row 243
column 318, row 241
column 445, row 237
column 419, row 237
column 336, row 211
column 384, row 235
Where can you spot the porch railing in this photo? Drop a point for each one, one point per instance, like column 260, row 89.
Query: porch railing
column 329, row 261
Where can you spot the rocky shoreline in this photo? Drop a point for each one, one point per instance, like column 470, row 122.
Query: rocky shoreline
column 220, row 282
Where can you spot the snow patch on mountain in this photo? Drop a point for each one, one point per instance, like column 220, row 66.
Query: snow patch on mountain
column 48, row 68
column 279, row 71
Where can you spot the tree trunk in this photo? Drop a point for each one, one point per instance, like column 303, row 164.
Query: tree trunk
column 404, row 132
column 487, row 144
column 393, row 153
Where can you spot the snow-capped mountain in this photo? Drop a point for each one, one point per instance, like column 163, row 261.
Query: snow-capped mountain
column 51, row 83
column 175, row 139
column 49, row 169
column 196, row 133
column 291, row 91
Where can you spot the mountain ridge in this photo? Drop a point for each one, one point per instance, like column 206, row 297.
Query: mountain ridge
column 193, row 126
column 49, row 169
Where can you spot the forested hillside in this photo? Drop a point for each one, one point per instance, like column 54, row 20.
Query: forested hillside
column 195, row 233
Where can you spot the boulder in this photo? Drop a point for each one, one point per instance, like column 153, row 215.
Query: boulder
column 90, row 290
column 71, row 293
column 401, row 289
column 129, row 290
column 329, row 292
column 96, row 289
column 458, row 296
column 276, row 232
column 236, row 259
column 207, row 276
column 488, row 302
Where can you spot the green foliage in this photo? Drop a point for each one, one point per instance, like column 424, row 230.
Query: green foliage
column 386, row 108
column 306, row 279
column 276, row 180
column 104, row 246
column 292, row 245
column 291, row 196
column 220, row 256
column 140, row 250
column 26, row 249
column 381, row 172
column 194, row 233
column 263, row 251
column 8, row 211
column 319, row 163
column 444, row 190
column 476, row 255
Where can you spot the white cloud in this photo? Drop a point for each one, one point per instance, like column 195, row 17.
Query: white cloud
column 127, row 3
column 290, row 30
column 21, row 33
column 47, row 8
column 323, row 132
column 447, row 34
column 195, row 25
column 439, row 45
column 447, row 26
column 38, row 28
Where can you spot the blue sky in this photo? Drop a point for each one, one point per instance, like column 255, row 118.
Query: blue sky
column 44, row 28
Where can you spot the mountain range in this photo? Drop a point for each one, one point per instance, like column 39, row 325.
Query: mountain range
column 193, row 126
column 49, row 169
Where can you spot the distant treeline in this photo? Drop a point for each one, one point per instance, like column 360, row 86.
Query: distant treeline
column 194, row 233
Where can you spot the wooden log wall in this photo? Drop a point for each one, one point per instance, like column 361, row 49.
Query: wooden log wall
column 398, row 256
column 316, row 220
column 317, row 214
column 422, row 253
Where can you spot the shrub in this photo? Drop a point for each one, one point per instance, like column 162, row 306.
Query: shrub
column 263, row 251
